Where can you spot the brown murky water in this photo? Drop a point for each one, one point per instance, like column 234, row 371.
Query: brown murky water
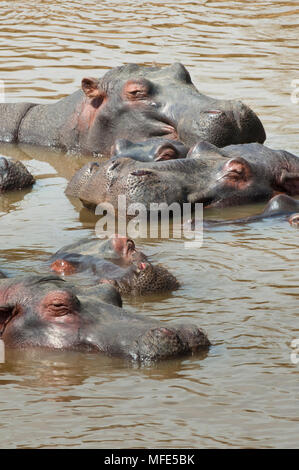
column 241, row 286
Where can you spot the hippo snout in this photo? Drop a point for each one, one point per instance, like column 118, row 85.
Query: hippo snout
column 163, row 342
column 248, row 124
column 231, row 123
column 14, row 175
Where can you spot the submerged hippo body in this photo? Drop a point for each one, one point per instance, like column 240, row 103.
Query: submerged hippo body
column 236, row 174
column 131, row 102
column 14, row 175
column 114, row 261
column 279, row 206
column 48, row 312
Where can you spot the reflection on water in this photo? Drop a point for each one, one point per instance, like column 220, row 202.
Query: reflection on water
column 241, row 286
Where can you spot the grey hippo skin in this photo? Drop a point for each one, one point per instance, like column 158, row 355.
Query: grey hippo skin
column 155, row 149
column 234, row 175
column 14, row 175
column 131, row 102
column 48, row 312
column 115, row 261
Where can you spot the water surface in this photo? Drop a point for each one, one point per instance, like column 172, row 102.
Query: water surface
column 241, row 286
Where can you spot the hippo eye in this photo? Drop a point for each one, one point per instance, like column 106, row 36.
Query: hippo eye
column 59, row 309
column 58, row 304
column 135, row 90
column 234, row 174
column 136, row 94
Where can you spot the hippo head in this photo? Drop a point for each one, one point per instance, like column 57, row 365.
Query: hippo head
column 143, row 279
column 246, row 173
column 136, row 103
column 48, row 312
column 141, row 276
column 237, row 174
column 115, row 261
column 13, row 175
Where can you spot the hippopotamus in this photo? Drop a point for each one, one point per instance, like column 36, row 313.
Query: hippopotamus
column 294, row 220
column 280, row 205
column 114, row 261
column 14, row 175
column 49, row 312
column 155, row 149
column 234, row 175
column 131, row 102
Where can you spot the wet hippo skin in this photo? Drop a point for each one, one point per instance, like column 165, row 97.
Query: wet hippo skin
column 234, row 175
column 48, row 312
column 131, row 102
column 14, row 175
column 115, row 261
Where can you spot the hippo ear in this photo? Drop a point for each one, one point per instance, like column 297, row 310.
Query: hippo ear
column 235, row 173
column 7, row 311
column 289, row 182
column 166, row 152
column 90, row 86
column 294, row 220
column 180, row 73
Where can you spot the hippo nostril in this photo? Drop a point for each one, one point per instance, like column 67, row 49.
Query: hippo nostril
column 141, row 173
column 114, row 165
column 213, row 111
column 93, row 166
column 142, row 266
